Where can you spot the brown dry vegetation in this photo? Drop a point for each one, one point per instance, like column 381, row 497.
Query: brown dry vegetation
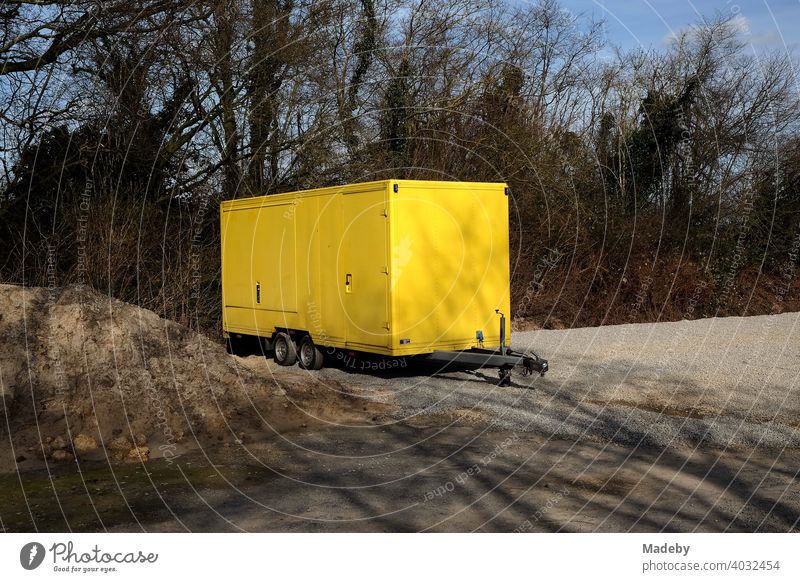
column 657, row 184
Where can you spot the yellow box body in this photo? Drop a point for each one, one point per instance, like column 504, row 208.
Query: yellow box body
column 395, row 267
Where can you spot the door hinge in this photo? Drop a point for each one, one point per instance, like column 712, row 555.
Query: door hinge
column 385, row 270
column 386, row 325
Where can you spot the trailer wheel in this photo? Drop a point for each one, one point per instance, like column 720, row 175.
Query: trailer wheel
column 311, row 357
column 285, row 351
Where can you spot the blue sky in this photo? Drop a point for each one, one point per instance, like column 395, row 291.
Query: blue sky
column 766, row 24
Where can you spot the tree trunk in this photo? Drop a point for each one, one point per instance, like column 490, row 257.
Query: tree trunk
column 225, row 13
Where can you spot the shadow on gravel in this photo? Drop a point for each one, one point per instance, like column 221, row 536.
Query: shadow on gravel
column 584, row 453
column 398, row 478
column 388, row 368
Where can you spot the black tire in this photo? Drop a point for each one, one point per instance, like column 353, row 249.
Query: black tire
column 310, row 355
column 285, row 350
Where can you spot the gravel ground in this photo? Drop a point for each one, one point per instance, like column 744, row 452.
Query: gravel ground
column 687, row 426
column 728, row 382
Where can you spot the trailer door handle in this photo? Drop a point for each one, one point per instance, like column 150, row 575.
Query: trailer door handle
column 348, row 283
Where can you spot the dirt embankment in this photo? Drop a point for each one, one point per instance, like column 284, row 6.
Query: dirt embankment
column 82, row 374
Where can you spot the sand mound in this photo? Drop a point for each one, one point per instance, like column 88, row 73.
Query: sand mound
column 77, row 367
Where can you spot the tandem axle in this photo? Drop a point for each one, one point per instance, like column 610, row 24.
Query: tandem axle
column 296, row 346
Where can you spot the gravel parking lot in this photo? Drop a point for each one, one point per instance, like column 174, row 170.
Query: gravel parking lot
column 727, row 382
column 686, row 426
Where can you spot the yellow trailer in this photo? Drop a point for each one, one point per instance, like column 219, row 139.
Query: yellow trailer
column 392, row 267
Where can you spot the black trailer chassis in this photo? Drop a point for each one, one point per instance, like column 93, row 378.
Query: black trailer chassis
column 502, row 358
